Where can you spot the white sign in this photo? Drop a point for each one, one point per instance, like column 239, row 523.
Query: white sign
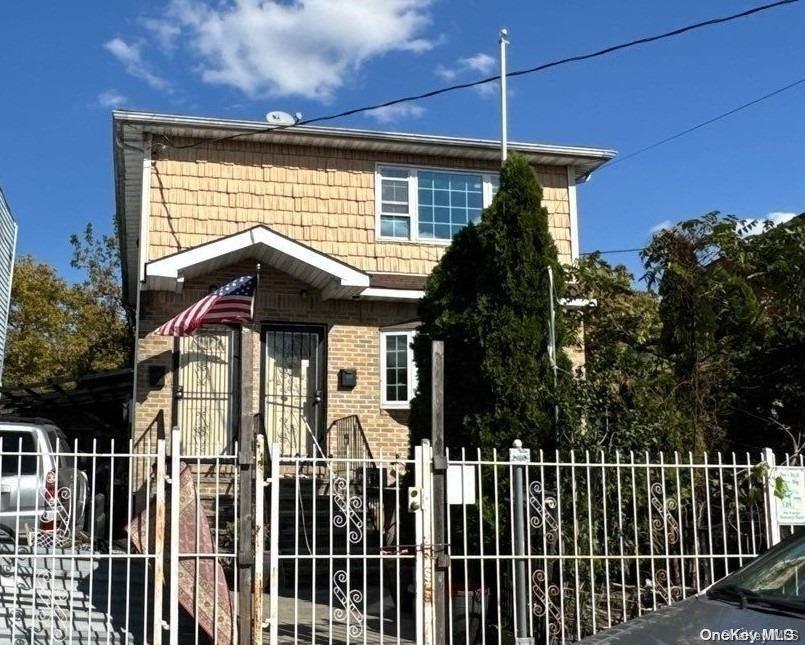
column 791, row 508
column 460, row 484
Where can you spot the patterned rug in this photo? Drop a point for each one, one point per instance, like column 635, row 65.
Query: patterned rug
column 210, row 607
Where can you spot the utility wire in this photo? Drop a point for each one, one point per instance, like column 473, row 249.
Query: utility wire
column 492, row 79
column 723, row 115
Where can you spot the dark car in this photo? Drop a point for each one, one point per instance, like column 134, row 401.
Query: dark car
column 764, row 602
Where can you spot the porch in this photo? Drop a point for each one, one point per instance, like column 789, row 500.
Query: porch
column 328, row 342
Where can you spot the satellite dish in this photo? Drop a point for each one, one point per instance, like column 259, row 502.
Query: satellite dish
column 282, row 118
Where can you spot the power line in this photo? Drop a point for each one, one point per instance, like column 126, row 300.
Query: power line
column 723, row 115
column 492, row 79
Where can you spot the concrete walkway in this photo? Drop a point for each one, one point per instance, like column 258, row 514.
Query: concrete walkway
column 301, row 620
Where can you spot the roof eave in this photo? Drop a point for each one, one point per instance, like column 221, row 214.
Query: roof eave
column 584, row 159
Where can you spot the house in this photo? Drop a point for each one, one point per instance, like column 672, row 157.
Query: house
column 8, row 245
column 345, row 226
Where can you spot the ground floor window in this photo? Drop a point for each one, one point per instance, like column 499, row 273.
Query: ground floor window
column 397, row 371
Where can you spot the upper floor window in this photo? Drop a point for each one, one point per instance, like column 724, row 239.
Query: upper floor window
column 430, row 205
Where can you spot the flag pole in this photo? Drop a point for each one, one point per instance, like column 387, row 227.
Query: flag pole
column 256, row 290
column 504, row 126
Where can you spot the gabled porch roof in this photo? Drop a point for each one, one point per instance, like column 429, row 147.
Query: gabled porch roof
column 334, row 278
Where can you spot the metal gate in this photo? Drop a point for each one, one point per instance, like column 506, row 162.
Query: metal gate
column 205, row 391
column 293, row 386
column 540, row 548
column 543, row 548
column 69, row 572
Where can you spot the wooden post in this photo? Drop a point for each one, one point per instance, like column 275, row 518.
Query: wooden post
column 439, row 503
column 246, row 502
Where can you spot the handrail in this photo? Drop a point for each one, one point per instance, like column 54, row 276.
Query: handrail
column 345, row 438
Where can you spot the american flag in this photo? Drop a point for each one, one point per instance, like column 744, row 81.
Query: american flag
column 232, row 303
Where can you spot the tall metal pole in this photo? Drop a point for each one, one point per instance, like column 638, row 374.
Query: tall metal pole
column 552, row 340
column 504, row 126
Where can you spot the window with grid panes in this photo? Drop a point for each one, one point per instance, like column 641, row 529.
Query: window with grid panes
column 430, row 205
column 398, row 377
column 395, row 218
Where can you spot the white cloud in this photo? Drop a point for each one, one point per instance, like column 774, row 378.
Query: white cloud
column 165, row 32
column 111, row 99
column 491, row 89
column 392, row 113
column 753, row 226
column 479, row 63
column 662, row 226
column 303, row 48
column 447, row 73
column 780, row 217
column 131, row 58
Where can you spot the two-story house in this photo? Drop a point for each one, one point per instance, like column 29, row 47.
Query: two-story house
column 345, row 225
column 8, row 246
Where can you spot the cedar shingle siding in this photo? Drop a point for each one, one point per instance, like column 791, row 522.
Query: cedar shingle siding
column 325, row 199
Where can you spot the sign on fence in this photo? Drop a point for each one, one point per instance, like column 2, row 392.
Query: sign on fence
column 791, row 508
column 460, row 484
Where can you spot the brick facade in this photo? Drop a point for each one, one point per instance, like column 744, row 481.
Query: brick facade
column 352, row 341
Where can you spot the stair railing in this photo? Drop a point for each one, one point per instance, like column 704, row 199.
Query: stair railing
column 350, row 459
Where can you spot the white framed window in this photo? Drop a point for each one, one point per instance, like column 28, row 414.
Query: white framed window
column 397, row 370
column 429, row 204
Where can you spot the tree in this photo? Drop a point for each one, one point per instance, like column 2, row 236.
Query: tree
column 625, row 389
column 488, row 300
column 58, row 330
column 733, row 329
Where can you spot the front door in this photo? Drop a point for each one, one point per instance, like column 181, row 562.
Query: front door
column 294, row 387
column 205, row 391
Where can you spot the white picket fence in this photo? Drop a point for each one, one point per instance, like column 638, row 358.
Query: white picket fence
column 544, row 547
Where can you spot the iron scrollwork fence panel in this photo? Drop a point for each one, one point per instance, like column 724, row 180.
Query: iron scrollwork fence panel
column 608, row 538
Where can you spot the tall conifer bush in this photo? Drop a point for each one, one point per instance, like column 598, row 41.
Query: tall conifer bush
column 488, row 300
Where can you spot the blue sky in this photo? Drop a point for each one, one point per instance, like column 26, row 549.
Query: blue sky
column 66, row 65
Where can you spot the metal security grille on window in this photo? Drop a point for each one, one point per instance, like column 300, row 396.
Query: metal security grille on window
column 397, row 368
column 447, row 203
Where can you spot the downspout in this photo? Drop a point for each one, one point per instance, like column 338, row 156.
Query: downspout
column 145, row 209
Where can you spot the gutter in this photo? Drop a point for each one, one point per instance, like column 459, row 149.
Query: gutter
column 236, row 126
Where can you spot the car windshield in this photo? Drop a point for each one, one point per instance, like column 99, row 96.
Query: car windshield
column 780, row 576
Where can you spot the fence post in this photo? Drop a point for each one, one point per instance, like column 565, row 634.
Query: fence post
column 439, row 505
column 259, row 538
column 419, row 502
column 520, row 456
column 245, row 561
column 159, row 542
column 175, row 508
column 773, row 527
column 273, row 547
